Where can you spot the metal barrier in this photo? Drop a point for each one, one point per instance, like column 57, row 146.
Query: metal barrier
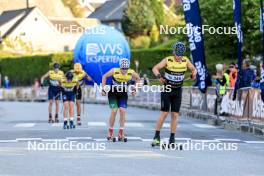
column 247, row 106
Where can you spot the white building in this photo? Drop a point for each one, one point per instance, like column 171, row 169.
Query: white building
column 28, row 30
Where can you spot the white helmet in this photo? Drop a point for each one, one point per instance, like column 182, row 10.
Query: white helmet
column 124, row 63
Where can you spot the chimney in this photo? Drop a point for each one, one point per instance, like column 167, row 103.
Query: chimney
column 27, row 4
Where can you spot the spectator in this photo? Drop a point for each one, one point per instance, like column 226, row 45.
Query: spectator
column 6, row 82
column 248, row 74
column 36, row 87
column 145, row 80
column 232, row 75
column 221, row 79
column 36, row 84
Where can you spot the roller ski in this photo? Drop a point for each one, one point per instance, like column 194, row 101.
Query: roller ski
column 110, row 136
column 171, row 145
column 50, row 120
column 121, row 136
column 79, row 123
column 72, row 126
column 56, row 118
column 65, row 125
column 155, row 142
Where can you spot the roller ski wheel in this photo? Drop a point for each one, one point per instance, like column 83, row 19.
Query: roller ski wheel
column 79, row 123
column 113, row 139
column 65, row 125
column 57, row 120
column 122, row 139
column 72, row 126
column 121, row 136
column 155, row 142
column 50, row 120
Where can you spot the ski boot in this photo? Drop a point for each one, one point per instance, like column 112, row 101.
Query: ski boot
column 79, row 123
column 56, row 118
column 121, row 136
column 110, row 136
column 65, row 125
column 50, row 120
column 72, row 126
column 172, row 145
column 155, row 142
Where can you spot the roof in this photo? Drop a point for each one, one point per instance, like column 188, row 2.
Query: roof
column 110, row 11
column 11, row 14
column 50, row 8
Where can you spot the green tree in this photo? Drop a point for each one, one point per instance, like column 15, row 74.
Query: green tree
column 220, row 14
column 158, row 10
column 138, row 18
column 74, row 7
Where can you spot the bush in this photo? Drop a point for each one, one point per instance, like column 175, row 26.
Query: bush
column 23, row 70
column 148, row 58
column 141, row 42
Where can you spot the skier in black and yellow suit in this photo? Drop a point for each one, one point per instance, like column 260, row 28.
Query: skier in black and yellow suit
column 117, row 96
column 54, row 92
column 175, row 68
column 69, row 86
column 80, row 75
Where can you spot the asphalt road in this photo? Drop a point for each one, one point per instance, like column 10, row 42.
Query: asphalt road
column 24, row 126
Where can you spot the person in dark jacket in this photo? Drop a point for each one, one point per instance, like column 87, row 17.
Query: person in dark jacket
column 248, row 74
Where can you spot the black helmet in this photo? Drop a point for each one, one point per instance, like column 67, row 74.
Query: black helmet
column 179, row 49
column 56, row 65
column 69, row 75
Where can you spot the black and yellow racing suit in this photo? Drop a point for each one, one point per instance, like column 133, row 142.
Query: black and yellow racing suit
column 54, row 84
column 174, row 76
column 117, row 96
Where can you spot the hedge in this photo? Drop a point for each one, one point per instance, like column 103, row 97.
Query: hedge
column 23, row 70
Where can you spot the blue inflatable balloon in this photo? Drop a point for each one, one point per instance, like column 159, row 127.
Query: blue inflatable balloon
column 99, row 49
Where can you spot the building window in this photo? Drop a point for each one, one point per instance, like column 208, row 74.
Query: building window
column 66, row 48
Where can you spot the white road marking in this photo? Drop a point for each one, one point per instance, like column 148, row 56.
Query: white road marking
column 134, row 138
column 24, row 125
column 147, row 140
column 28, row 139
column 101, row 140
column 79, row 138
column 54, row 140
column 254, row 142
column 229, row 140
column 166, row 125
column 130, row 124
column 202, row 140
column 57, row 125
column 203, row 125
column 96, row 124
column 182, row 139
column 7, row 141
